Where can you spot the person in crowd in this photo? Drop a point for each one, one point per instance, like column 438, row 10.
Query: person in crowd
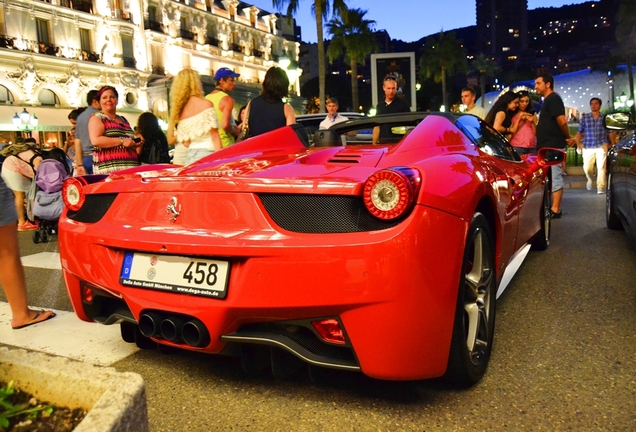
column 11, row 271
column 552, row 131
column 468, row 98
column 224, row 104
column 69, row 144
column 240, row 118
column 83, row 145
column 500, row 115
column 268, row 111
column 180, row 151
column 114, row 147
column 18, row 171
column 332, row 114
column 524, row 122
column 389, row 105
column 594, row 145
column 194, row 117
column 155, row 147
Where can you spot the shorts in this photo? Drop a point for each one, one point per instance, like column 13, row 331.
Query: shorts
column 16, row 181
column 196, row 154
column 8, row 215
column 556, row 175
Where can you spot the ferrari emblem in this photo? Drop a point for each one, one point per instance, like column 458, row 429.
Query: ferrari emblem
column 173, row 209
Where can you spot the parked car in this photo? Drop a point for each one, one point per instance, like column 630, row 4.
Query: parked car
column 621, row 176
column 384, row 259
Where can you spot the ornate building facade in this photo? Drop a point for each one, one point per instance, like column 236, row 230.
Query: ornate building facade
column 53, row 52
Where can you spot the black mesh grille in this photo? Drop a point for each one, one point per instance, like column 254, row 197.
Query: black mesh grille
column 94, row 208
column 321, row 213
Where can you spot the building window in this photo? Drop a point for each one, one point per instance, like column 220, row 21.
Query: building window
column 85, row 40
column 5, row 95
column 48, row 98
column 128, row 52
column 43, row 33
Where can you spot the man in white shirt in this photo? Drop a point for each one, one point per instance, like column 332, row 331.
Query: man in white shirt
column 468, row 99
column 332, row 114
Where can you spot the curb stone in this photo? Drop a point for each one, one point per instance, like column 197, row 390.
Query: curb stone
column 115, row 401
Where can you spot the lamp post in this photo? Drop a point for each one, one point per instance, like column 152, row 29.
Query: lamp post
column 25, row 122
column 291, row 69
column 621, row 102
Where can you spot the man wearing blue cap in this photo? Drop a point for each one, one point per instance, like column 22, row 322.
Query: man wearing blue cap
column 224, row 104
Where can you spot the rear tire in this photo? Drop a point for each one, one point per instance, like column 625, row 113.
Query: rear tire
column 474, row 325
column 541, row 240
column 611, row 217
column 36, row 236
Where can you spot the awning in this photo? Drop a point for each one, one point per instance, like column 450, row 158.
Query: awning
column 53, row 119
column 49, row 119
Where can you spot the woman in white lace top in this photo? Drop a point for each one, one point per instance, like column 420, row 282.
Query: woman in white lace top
column 194, row 116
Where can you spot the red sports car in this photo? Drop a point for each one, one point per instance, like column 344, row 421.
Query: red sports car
column 384, row 259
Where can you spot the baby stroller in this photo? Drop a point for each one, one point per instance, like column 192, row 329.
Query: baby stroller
column 47, row 198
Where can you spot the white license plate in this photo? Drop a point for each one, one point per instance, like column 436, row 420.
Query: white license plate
column 178, row 274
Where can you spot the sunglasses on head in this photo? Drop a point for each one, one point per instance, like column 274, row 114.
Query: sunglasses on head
column 389, row 78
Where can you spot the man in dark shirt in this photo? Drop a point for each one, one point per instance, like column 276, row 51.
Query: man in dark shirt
column 552, row 131
column 389, row 105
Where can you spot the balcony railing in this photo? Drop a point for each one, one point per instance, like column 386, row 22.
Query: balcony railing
column 20, row 44
column 129, row 62
column 79, row 5
column 186, row 34
column 158, row 70
column 153, row 25
column 212, row 41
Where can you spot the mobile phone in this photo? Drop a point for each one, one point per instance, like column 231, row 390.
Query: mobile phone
column 137, row 139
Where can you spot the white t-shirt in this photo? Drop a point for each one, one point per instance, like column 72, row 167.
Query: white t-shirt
column 477, row 111
column 328, row 121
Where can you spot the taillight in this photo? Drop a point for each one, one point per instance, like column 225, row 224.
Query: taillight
column 390, row 193
column 329, row 329
column 73, row 194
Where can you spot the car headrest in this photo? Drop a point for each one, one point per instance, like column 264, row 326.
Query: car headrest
column 326, row 138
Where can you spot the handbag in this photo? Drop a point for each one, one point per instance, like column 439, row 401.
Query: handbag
column 245, row 132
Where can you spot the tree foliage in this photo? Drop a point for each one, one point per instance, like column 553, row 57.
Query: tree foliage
column 321, row 9
column 352, row 34
column 442, row 56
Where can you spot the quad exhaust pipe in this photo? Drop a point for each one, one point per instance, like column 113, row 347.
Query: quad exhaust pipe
column 174, row 328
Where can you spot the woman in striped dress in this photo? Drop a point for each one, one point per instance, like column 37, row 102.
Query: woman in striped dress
column 111, row 136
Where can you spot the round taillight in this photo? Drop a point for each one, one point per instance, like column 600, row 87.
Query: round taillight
column 388, row 194
column 73, row 194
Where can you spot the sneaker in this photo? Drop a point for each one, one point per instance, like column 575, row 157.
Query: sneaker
column 600, row 192
column 27, row 226
column 589, row 185
column 556, row 215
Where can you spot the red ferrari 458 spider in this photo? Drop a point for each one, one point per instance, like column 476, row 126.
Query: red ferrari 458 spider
column 382, row 258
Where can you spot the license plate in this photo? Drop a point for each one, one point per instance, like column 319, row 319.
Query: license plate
column 178, row 274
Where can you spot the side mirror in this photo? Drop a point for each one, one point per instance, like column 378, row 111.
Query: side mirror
column 546, row 157
column 618, row 121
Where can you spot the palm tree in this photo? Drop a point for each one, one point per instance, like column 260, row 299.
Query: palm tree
column 354, row 35
column 486, row 68
column 626, row 39
column 321, row 10
column 441, row 57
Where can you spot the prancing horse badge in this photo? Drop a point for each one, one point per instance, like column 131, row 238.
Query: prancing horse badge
column 174, row 209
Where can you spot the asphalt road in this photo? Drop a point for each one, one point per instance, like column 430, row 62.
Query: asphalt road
column 564, row 356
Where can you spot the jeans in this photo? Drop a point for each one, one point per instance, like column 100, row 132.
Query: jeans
column 87, row 162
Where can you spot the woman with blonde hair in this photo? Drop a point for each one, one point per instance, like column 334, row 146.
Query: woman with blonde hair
column 194, row 118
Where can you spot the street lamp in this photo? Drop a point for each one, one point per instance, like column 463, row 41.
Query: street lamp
column 25, row 122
